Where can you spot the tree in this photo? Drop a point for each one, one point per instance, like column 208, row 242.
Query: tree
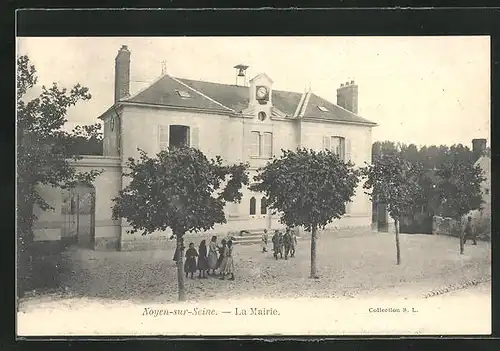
column 459, row 189
column 181, row 189
column 308, row 189
column 394, row 181
column 44, row 150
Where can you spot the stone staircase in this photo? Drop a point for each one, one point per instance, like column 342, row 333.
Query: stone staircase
column 250, row 237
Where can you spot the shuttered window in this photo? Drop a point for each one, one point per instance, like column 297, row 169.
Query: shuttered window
column 261, row 145
column 338, row 146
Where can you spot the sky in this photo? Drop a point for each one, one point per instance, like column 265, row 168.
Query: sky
column 421, row 90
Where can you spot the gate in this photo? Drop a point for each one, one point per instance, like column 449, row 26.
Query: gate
column 78, row 212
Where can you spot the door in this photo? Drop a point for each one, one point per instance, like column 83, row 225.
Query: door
column 78, row 212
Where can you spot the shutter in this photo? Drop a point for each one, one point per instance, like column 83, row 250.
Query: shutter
column 255, row 144
column 268, row 145
column 163, row 136
column 194, row 142
column 347, row 147
column 326, row 143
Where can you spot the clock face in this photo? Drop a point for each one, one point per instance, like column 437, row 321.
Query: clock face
column 261, row 92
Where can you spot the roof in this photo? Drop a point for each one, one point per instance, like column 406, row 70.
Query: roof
column 226, row 97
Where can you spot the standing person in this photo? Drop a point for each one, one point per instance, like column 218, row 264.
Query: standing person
column 202, row 259
column 294, row 243
column 469, row 232
column 212, row 255
column 228, row 262
column 281, row 244
column 287, row 242
column 190, row 264
column 276, row 244
column 221, row 256
column 264, row 241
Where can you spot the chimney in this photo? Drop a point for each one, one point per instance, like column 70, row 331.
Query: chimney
column 478, row 147
column 347, row 96
column 122, row 73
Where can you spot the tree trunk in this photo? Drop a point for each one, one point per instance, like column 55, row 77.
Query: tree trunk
column 398, row 250
column 313, row 252
column 180, row 266
column 461, row 236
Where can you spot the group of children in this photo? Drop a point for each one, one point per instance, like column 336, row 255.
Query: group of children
column 282, row 243
column 215, row 258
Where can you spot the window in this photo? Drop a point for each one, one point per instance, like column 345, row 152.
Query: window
column 252, row 205
column 261, row 145
column 263, row 206
column 183, row 94
column 323, row 109
column 338, row 147
column 262, row 116
column 255, row 144
column 179, row 136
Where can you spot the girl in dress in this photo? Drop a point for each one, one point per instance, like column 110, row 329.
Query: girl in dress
column 190, row 265
column 220, row 261
column 202, row 259
column 212, row 255
column 228, row 263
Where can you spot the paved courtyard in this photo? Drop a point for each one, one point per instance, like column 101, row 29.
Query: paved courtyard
column 347, row 266
column 107, row 292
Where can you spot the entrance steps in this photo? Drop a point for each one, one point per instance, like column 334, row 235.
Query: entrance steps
column 250, row 237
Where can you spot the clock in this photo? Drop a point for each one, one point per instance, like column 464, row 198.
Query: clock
column 112, row 123
column 262, row 93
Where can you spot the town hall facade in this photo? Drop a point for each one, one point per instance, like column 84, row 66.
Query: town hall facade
column 250, row 122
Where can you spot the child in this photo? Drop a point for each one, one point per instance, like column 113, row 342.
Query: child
column 212, row 255
column 281, row 244
column 228, row 262
column 264, row 241
column 287, row 242
column 190, row 265
column 202, row 259
column 294, row 243
column 276, row 244
column 221, row 256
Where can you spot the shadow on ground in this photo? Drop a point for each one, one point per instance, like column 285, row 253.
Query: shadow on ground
column 348, row 266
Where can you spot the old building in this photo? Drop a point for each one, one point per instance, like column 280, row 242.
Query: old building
column 248, row 122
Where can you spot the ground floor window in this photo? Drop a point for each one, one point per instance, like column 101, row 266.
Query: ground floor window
column 253, row 204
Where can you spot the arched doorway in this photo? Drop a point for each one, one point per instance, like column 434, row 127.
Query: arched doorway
column 78, row 212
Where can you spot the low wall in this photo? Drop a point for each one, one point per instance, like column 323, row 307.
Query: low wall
column 481, row 224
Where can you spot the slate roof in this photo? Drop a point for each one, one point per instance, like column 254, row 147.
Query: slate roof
column 226, row 97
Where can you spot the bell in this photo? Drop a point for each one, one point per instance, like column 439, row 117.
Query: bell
column 241, row 73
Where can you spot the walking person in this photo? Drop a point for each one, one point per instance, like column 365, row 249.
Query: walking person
column 264, row 241
column 276, row 244
column 202, row 260
column 228, row 262
column 469, row 232
column 190, row 264
column 221, row 256
column 212, row 255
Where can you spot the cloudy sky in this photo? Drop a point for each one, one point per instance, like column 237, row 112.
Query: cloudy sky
column 422, row 90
